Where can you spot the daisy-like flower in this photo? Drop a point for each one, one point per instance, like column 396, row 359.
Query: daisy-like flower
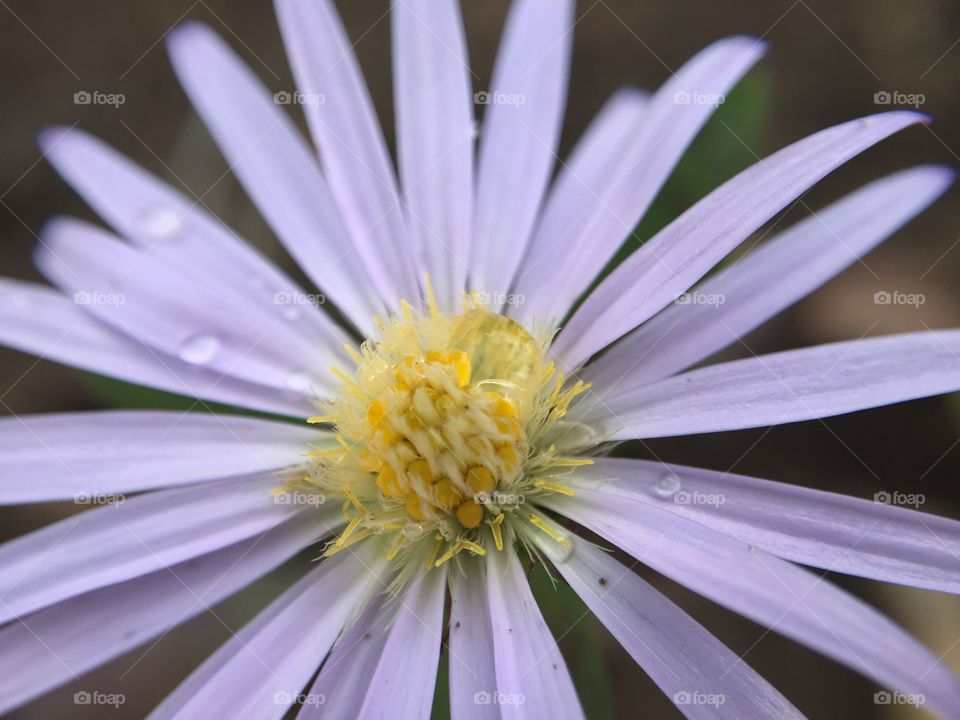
column 474, row 426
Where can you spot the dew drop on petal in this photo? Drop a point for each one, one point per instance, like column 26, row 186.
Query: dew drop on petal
column 199, row 349
column 161, row 222
column 667, row 486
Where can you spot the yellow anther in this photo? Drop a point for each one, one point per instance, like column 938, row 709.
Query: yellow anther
column 414, row 508
column 472, row 547
column 470, row 514
column 480, row 479
column 548, row 529
column 497, row 532
column 553, row 487
column 375, row 413
column 354, row 355
column 437, row 544
column 354, row 500
column 318, row 419
column 446, row 494
column 395, row 548
column 419, row 471
column 508, row 453
column 389, row 483
column 449, row 554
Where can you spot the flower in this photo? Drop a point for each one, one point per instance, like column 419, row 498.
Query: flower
column 474, row 425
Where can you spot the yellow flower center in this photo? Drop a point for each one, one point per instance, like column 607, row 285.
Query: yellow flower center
column 447, row 433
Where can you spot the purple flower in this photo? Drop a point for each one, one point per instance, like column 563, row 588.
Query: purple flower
column 452, row 442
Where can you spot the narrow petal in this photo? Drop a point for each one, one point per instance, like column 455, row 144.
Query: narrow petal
column 343, row 681
column 598, row 157
column 821, row 529
column 345, row 128
column 77, row 635
column 43, row 322
column 472, row 667
column 73, row 456
column 698, row 672
column 402, row 684
column 141, row 294
column 773, row 592
column 151, row 214
column 521, row 132
column 572, row 245
column 684, row 251
column 434, row 107
column 532, row 677
column 261, row 671
column 276, row 166
column 131, row 538
column 768, row 280
column 805, row 384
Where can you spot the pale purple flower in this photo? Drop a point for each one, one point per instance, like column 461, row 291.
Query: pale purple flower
column 460, row 446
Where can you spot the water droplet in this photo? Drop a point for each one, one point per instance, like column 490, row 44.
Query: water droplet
column 199, row 349
column 667, row 486
column 299, row 382
column 161, row 222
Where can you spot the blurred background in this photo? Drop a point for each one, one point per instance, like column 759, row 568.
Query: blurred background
column 827, row 62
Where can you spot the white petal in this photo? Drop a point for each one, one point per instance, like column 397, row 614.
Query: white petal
column 402, row 684
column 573, row 244
column 276, row 166
column 260, row 671
column 684, row 251
column 773, row 592
column 150, row 214
column 821, row 529
column 532, row 677
column 180, row 316
column 63, row 456
column 114, row 543
column 768, row 280
column 521, row 132
column 77, row 635
column 45, row 323
column 343, row 681
column 698, row 672
column 434, row 107
column 805, row 384
column 473, row 673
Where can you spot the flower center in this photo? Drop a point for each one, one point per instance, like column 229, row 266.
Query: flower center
column 447, row 433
